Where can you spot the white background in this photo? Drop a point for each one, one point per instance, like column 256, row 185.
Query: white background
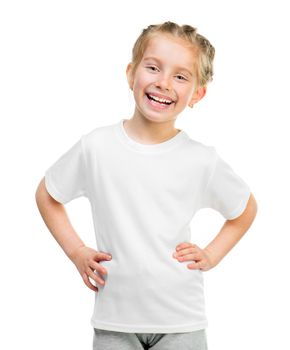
column 62, row 73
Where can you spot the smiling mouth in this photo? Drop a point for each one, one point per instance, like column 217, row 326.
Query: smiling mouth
column 156, row 100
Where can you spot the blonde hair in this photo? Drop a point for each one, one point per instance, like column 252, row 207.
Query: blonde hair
column 203, row 49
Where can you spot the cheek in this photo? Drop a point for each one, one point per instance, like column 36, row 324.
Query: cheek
column 185, row 94
column 137, row 85
column 141, row 84
column 137, row 89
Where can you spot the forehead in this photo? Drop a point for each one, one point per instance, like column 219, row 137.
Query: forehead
column 167, row 48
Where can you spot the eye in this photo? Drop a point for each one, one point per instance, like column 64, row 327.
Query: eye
column 152, row 67
column 182, row 78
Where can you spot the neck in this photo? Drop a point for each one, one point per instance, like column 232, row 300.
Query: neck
column 149, row 132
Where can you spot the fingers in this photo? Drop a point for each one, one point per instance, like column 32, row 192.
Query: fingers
column 184, row 245
column 103, row 256
column 96, row 266
column 196, row 265
column 88, row 283
column 94, row 276
column 193, row 250
column 86, row 261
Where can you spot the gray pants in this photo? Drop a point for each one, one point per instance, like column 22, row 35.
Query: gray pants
column 111, row 340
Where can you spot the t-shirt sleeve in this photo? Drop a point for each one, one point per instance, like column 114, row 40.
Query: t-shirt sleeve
column 65, row 180
column 226, row 191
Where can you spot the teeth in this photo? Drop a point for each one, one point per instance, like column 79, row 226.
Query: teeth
column 160, row 99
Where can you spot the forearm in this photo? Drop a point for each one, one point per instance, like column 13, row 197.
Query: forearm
column 58, row 223
column 231, row 232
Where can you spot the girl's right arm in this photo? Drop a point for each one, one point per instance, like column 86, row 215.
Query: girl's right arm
column 57, row 221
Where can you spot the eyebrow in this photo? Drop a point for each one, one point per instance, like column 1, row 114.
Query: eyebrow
column 156, row 59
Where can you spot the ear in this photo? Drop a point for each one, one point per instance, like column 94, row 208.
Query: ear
column 197, row 96
column 130, row 77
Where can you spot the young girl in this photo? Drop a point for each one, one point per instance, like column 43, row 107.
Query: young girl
column 145, row 180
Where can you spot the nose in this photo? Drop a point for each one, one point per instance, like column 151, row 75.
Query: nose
column 163, row 82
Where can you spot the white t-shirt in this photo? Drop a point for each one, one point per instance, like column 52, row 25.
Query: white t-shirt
column 143, row 198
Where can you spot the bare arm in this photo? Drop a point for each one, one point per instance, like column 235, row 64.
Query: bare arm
column 230, row 233
column 56, row 219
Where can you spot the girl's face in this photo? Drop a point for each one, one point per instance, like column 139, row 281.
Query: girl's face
column 165, row 72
